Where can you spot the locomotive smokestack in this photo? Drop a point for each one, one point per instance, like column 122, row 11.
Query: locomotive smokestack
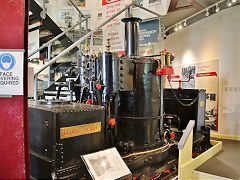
column 131, row 36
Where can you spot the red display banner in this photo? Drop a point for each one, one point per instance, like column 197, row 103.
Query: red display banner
column 114, row 30
column 206, row 74
column 105, row 2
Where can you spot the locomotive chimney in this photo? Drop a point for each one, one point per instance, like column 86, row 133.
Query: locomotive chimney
column 131, row 36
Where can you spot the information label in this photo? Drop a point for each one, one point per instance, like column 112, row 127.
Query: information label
column 67, row 132
column 11, row 72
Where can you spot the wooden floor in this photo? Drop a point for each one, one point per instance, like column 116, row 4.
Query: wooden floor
column 226, row 163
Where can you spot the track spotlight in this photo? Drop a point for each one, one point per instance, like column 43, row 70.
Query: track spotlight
column 207, row 12
column 180, row 26
column 229, row 4
column 176, row 28
column 217, row 8
column 185, row 23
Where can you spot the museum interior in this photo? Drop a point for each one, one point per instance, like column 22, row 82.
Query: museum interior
column 120, row 89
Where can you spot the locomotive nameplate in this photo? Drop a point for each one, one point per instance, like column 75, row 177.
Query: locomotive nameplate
column 67, row 132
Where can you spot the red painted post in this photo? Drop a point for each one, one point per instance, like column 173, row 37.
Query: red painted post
column 14, row 156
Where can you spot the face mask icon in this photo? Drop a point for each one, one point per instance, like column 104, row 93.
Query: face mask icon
column 7, row 61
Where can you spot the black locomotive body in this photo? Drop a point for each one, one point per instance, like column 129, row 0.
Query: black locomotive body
column 59, row 134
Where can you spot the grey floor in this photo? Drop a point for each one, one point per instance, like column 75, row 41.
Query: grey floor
column 226, row 163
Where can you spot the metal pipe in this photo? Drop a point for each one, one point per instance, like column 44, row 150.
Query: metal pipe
column 160, row 35
column 80, row 40
column 76, row 8
column 129, row 11
column 86, row 40
column 57, row 37
column 132, row 35
column 44, row 9
column 43, row 13
column 49, row 67
column 35, row 88
column 80, row 33
column 91, row 45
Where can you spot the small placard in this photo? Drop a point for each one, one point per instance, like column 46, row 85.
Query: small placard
column 67, row 132
column 106, row 164
column 11, row 72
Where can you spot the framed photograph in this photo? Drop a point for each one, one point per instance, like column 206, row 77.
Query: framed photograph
column 106, row 164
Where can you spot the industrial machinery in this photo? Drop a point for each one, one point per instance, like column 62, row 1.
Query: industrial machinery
column 120, row 102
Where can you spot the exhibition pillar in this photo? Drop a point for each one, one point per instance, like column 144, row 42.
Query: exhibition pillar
column 14, row 158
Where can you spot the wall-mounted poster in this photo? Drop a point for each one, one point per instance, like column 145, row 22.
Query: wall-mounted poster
column 202, row 75
column 81, row 3
column 148, row 31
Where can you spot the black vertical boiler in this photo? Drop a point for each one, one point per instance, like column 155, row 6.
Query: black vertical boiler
column 139, row 109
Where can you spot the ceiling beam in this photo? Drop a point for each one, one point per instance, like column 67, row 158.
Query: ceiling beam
column 195, row 4
column 180, row 8
column 173, row 5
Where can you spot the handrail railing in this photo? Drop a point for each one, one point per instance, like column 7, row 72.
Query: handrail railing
column 81, row 40
column 186, row 133
column 57, row 37
column 187, row 164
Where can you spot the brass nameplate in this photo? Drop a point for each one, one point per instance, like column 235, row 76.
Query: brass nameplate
column 79, row 130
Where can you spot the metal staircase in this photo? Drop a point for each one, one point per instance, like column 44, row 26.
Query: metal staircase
column 48, row 43
column 49, row 24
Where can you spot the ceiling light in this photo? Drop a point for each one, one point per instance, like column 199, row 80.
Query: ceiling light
column 207, row 12
column 176, row 28
column 229, row 4
column 217, row 8
column 233, row 1
column 185, row 23
column 180, row 26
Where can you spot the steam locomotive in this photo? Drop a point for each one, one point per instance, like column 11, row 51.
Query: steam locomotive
column 120, row 102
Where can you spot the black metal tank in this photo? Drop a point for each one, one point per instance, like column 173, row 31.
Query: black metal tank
column 139, row 109
column 108, row 67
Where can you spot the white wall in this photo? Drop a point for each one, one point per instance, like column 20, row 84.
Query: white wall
column 215, row 37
